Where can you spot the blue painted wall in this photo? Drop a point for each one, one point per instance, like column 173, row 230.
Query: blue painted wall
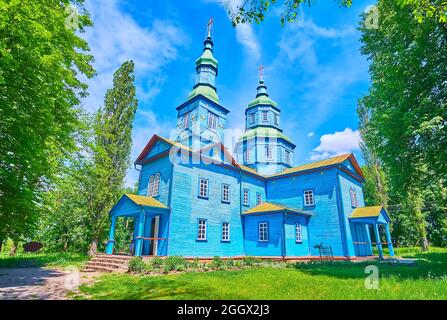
column 274, row 245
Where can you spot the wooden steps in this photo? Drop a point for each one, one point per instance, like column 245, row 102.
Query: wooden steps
column 108, row 263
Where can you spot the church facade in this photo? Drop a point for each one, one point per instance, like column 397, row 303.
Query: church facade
column 198, row 198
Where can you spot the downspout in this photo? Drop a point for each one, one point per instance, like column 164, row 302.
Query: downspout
column 139, row 176
column 341, row 215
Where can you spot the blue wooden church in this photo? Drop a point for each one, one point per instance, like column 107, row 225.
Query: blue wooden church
column 197, row 198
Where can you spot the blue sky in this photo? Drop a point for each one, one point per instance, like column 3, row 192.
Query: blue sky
column 314, row 69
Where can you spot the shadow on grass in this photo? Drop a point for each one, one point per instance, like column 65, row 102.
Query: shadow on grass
column 37, row 260
column 128, row 287
column 429, row 265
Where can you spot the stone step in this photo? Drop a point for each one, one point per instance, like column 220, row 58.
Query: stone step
column 106, row 264
column 104, row 269
column 112, row 260
column 114, row 256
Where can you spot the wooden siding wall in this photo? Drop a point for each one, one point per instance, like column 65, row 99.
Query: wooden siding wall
column 324, row 226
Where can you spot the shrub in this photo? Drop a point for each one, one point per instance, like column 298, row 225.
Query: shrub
column 137, row 265
column 195, row 264
column 250, row 261
column 157, row 263
column 217, row 263
column 174, row 263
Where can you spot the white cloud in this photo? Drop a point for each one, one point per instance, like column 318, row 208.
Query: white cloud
column 310, row 134
column 245, row 34
column 117, row 37
column 337, row 143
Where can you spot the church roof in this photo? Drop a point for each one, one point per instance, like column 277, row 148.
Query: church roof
column 262, row 100
column 266, row 132
column 268, row 207
column 207, row 57
column 206, row 91
column 374, row 212
column 324, row 163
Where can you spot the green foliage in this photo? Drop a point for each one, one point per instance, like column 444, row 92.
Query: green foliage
column 406, row 108
column 41, row 62
column 339, row 280
column 250, row 261
column 137, row 265
column 217, row 263
column 173, row 263
column 28, row 260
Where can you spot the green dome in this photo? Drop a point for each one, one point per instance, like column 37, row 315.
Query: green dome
column 264, row 132
column 207, row 58
column 206, row 91
column 263, row 99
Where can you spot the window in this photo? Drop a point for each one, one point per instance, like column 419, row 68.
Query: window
column 251, row 118
column 309, row 198
column 225, row 231
column 203, row 188
column 226, row 193
column 156, row 189
column 353, row 195
column 246, row 197
column 258, row 199
column 268, row 153
column 276, row 119
column 186, row 120
column 265, row 116
column 263, row 231
column 287, row 156
column 247, row 156
column 212, row 121
column 150, row 188
column 298, row 233
column 201, row 231
column 153, row 188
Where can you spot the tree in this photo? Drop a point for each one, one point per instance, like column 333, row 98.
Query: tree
column 111, row 153
column 250, row 11
column 407, row 100
column 41, row 59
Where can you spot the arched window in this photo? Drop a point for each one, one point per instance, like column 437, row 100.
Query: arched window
column 353, row 195
column 150, row 188
column 156, row 189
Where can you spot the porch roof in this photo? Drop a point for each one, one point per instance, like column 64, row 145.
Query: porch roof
column 131, row 204
column 268, row 207
column 373, row 214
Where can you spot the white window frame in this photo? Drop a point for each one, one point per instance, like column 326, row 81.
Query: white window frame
column 186, row 120
column 268, row 153
column 203, row 188
column 251, row 118
column 201, row 229
column 246, row 197
column 263, row 231
column 212, row 121
column 247, row 156
column 156, row 186
column 265, row 116
column 226, row 193
column 258, row 199
column 150, row 186
column 298, row 233
column 353, row 196
column 309, row 198
column 287, row 156
column 225, row 231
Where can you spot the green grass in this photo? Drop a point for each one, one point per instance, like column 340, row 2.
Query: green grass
column 425, row 280
column 27, row 260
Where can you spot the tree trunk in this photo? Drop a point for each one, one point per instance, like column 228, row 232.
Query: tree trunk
column 415, row 200
column 1, row 246
column 93, row 247
column 13, row 250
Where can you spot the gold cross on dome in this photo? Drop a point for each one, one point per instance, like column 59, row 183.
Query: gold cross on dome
column 261, row 71
column 210, row 25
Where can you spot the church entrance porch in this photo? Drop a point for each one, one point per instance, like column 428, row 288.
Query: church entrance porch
column 365, row 221
column 150, row 229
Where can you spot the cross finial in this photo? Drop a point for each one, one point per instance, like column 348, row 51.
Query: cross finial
column 210, row 26
column 261, row 72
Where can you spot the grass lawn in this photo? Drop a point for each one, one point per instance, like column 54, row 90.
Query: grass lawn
column 27, row 260
column 425, row 280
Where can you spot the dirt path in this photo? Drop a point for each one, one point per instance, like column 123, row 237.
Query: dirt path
column 40, row 283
